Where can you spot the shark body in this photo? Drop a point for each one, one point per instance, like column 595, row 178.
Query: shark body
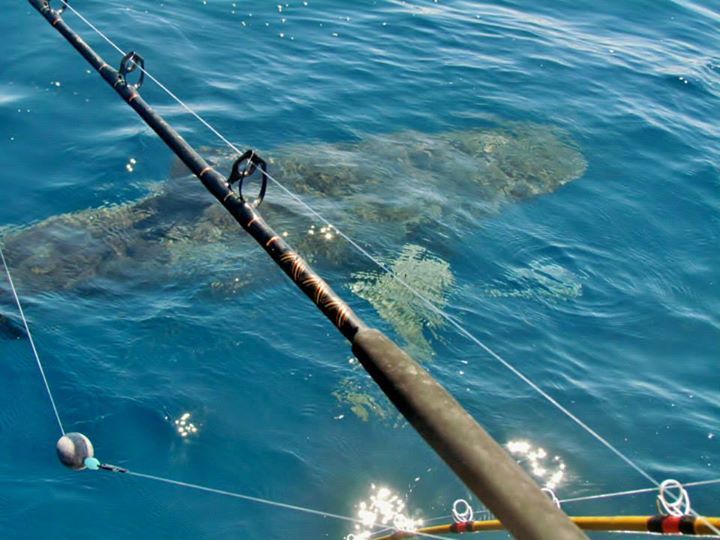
column 385, row 188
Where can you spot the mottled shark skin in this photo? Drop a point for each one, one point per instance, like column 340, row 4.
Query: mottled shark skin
column 383, row 189
column 410, row 316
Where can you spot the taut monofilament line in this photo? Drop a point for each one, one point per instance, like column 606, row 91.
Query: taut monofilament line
column 457, row 438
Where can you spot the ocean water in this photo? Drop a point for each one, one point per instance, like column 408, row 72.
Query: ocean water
column 604, row 291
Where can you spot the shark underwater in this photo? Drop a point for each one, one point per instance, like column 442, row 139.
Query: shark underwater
column 403, row 194
column 386, row 189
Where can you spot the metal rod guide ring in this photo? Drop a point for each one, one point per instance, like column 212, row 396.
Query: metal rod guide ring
column 59, row 11
column 253, row 163
column 130, row 62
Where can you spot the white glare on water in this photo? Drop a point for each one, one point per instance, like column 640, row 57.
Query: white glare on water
column 549, row 470
column 185, row 427
column 385, row 509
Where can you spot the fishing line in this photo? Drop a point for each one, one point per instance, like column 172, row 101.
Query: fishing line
column 259, row 500
column 384, row 267
column 610, row 495
column 447, row 317
column 32, row 341
column 250, row 498
column 635, row 491
column 241, row 496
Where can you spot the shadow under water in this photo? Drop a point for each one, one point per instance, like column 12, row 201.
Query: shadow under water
column 10, row 329
column 386, row 187
column 396, row 192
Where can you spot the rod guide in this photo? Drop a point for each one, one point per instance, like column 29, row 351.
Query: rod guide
column 131, row 62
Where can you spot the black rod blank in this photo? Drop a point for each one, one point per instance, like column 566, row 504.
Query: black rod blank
column 490, row 472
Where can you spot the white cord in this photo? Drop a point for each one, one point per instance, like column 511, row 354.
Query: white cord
column 32, row 342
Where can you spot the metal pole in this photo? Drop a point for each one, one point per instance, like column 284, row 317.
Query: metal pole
column 490, row 472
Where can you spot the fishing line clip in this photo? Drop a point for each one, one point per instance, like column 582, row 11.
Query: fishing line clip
column 462, row 512
column 253, row 163
column 130, row 62
column 94, row 464
column 673, row 499
column 112, row 468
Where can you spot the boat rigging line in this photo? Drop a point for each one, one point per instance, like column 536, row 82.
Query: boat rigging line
column 89, row 461
column 376, row 261
column 634, row 492
column 32, row 341
column 478, row 460
column 585, row 498
column 457, row 438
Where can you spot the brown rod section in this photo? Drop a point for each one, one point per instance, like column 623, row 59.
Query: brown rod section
column 489, row 471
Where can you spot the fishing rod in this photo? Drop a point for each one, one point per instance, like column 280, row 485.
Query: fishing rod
column 478, row 460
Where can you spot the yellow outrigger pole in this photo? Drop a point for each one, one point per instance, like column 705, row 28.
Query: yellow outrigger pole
column 680, row 525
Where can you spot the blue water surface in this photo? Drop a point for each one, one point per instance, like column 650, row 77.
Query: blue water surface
column 606, row 292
